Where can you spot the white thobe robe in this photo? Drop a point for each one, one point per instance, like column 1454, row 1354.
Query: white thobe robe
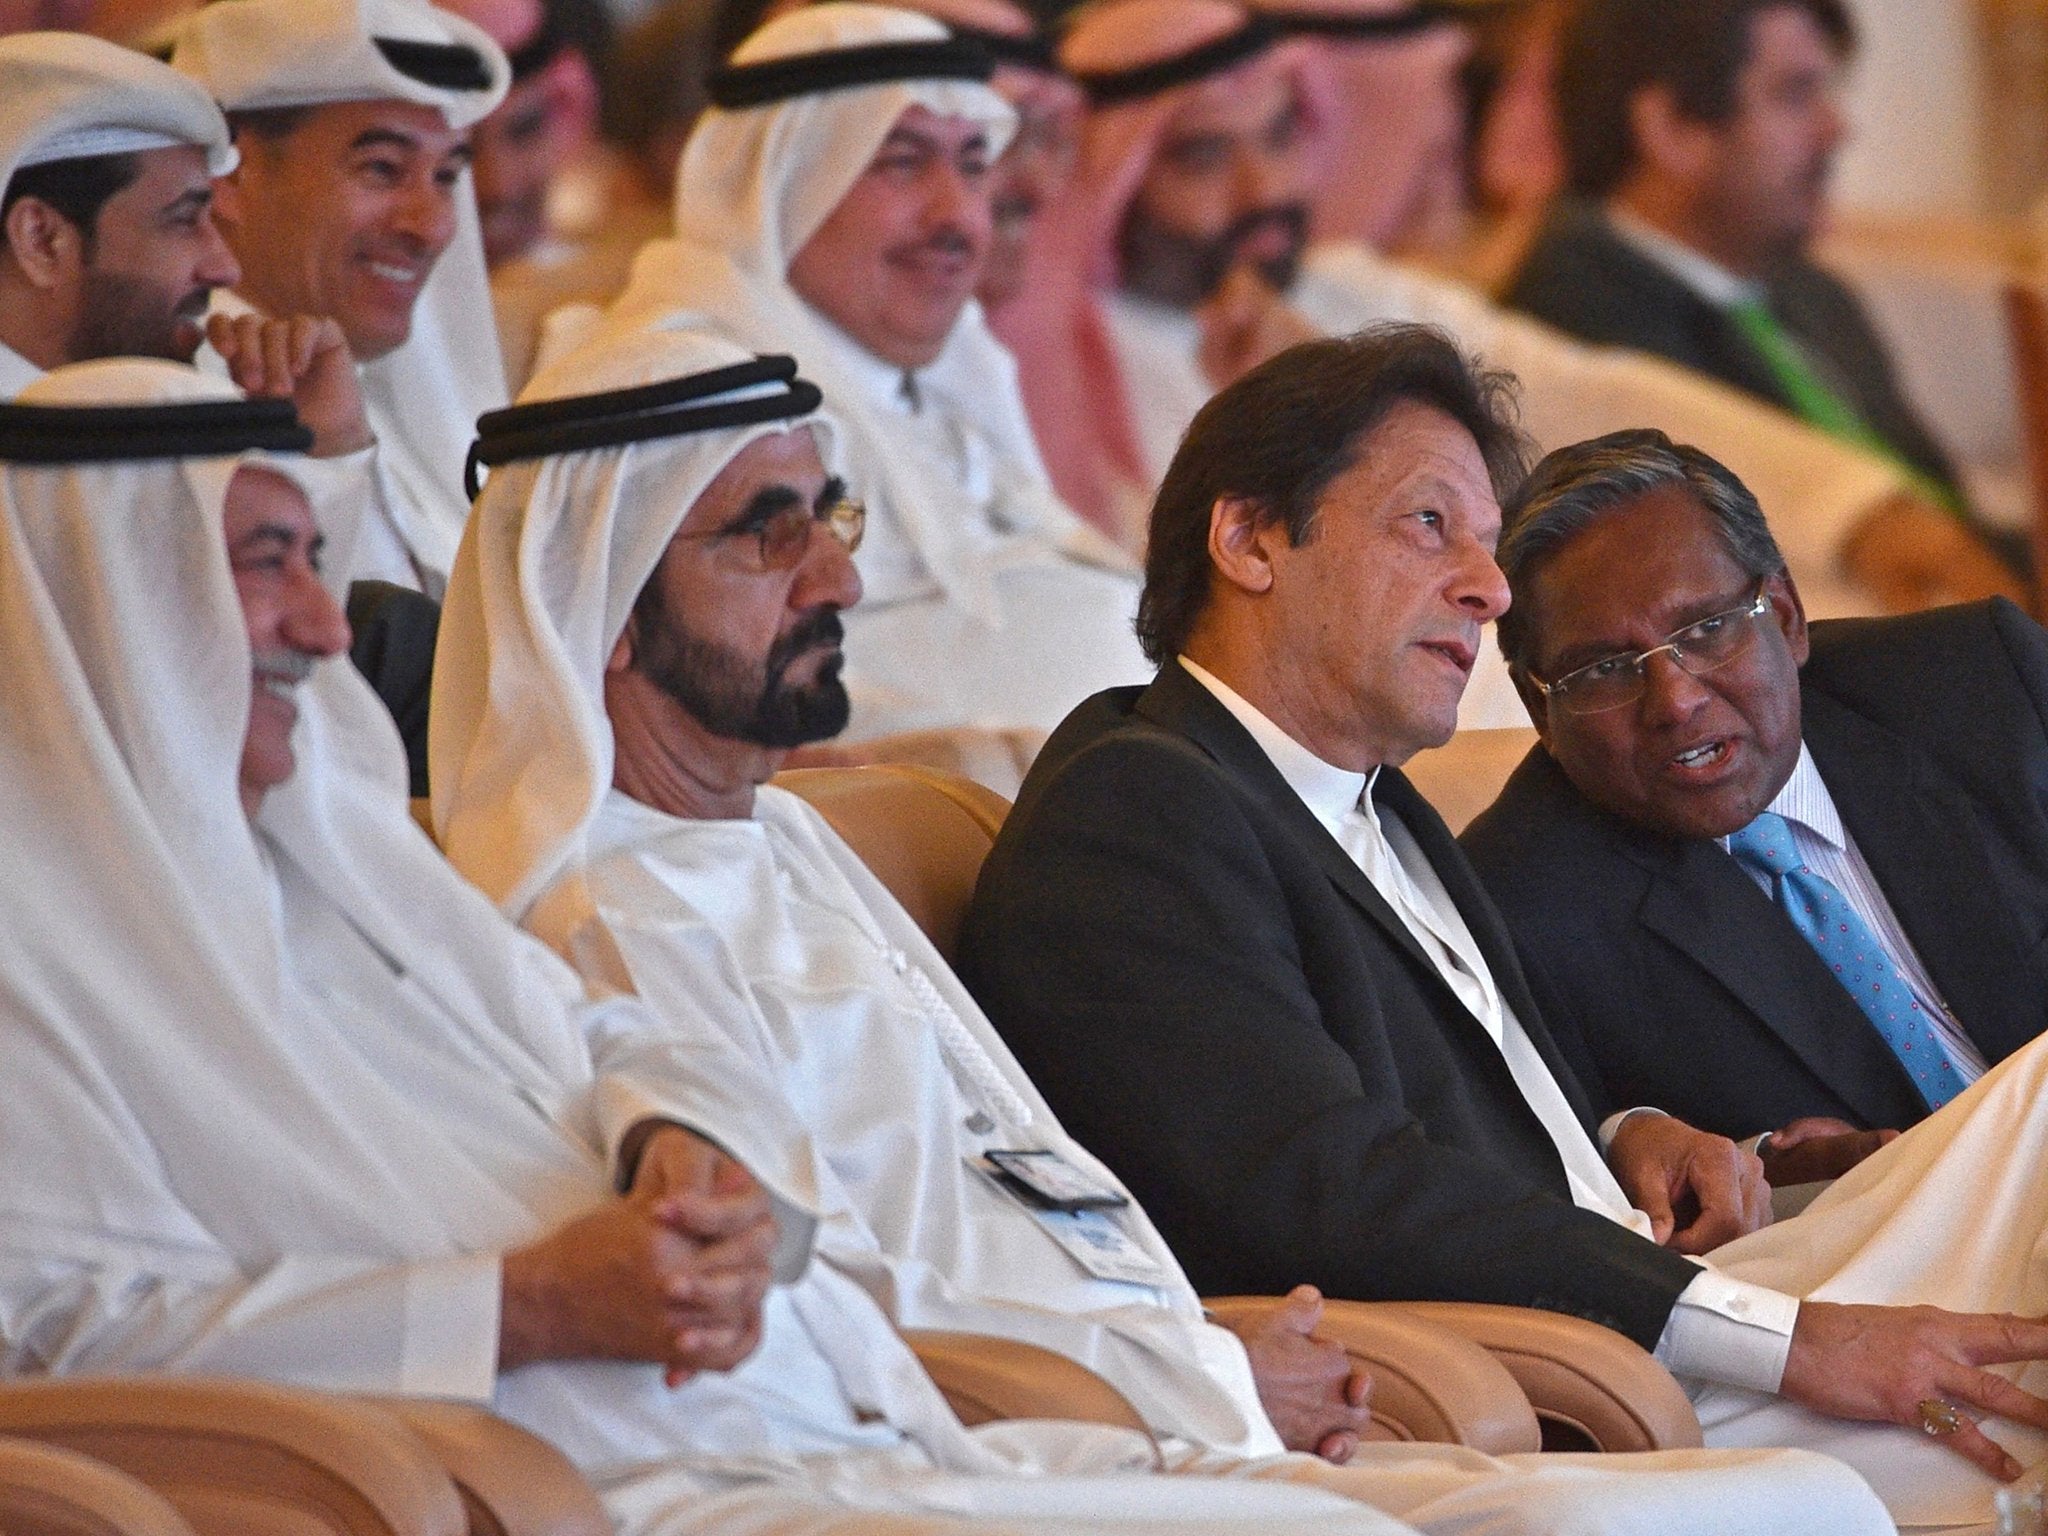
column 16, row 373
column 771, row 933
column 1056, row 622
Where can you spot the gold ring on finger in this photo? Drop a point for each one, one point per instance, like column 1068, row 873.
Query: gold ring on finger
column 1939, row 1417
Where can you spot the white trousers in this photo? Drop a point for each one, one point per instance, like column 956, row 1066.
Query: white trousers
column 1950, row 1215
column 1082, row 1484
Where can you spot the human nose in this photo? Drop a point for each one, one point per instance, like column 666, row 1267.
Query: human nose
column 1481, row 587
column 427, row 214
column 1670, row 693
column 961, row 199
column 217, row 267
column 313, row 621
column 827, row 575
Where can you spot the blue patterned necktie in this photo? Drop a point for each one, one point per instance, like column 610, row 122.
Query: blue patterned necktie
column 1845, row 942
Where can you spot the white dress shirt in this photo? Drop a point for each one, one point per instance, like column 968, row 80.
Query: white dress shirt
column 1824, row 843
column 1722, row 1329
column 1699, row 272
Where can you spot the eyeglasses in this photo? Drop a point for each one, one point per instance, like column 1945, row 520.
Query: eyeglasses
column 784, row 535
column 1616, row 681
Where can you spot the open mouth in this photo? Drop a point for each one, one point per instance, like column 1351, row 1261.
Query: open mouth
column 1704, row 760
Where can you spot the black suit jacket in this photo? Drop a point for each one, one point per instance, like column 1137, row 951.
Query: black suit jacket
column 1580, row 276
column 1685, row 986
column 1216, row 1000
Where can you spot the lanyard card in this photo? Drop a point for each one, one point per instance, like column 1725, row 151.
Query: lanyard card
column 1050, row 1182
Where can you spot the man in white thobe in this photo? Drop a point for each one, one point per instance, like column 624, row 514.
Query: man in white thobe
column 352, row 202
column 1179, row 264
column 631, row 652
column 844, row 219
column 288, row 1099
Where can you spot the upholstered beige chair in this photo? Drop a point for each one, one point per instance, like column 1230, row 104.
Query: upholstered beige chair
column 925, row 834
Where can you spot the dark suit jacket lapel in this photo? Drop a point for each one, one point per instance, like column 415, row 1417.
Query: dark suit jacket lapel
column 1179, row 703
column 1393, row 792
column 1919, row 835
column 1701, row 902
column 1726, row 352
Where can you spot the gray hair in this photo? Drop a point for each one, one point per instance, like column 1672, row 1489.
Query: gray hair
column 1575, row 487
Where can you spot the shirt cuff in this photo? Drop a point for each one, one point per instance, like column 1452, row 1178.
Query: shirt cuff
column 1729, row 1331
column 451, row 1328
column 1614, row 1122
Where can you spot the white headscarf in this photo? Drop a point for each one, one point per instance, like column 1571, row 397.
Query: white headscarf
column 158, row 1105
column 422, row 399
column 65, row 96
column 754, row 185
column 558, row 550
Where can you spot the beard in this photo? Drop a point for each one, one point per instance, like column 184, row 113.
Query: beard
column 1181, row 271
column 133, row 317
column 733, row 696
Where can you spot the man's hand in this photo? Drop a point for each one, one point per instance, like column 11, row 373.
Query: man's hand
column 1881, row 1363
column 1244, row 322
column 1699, row 1191
column 673, row 1273
column 1312, row 1392
column 303, row 360
column 1817, row 1147
column 1912, row 555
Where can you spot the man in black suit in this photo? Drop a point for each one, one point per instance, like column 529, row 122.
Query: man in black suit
column 1250, row 968
column 1698, row 143
column 1910, row 754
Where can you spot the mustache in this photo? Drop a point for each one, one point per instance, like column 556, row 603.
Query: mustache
column 283, row 665
column 1289, row 218
column 818, row 630
column 945, row 242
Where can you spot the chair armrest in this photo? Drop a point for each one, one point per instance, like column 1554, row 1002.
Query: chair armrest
column 1590, row 1385
column 239, row 1457
column 1427, row 1383
column 512, row 1482
column 61, row 1493
column 986, row 1378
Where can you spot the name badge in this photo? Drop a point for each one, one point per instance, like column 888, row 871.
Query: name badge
column 1092, row 1235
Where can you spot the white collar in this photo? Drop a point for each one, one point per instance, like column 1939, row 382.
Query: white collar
column 1701, row 273
column 1805, row 799
column 1330, row 792
column 879, row 379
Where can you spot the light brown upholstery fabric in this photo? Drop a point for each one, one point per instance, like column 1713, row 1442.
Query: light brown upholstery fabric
column 1463, row 777
column 987, row 1378
column 1427, row 1383
column 245, row 1459
column 45, row 1491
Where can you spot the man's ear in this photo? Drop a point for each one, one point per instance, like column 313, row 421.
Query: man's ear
column 1791, row 612
column 1240, row 543
column 48, row 247
column 1533, row 701
column 1667, row 142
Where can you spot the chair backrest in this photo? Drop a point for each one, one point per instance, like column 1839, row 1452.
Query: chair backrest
column 2026, row 315
column 922, row 832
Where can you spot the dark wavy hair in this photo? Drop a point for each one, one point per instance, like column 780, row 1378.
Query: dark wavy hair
column 1279, row 435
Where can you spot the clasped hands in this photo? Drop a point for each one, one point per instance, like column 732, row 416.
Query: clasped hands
column 671, row 1273
column 1315, row 1394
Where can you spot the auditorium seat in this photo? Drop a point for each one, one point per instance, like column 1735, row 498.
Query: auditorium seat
column 924, row 834
column 51, row 1492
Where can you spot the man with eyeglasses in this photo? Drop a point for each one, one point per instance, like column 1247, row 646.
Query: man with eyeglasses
column 1248, row 965
column 1775, row 878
